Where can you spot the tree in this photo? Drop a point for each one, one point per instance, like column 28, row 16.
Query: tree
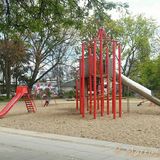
column 149, row 72
column 135, row 34
column 99, row 18
column 11, row 53
column 47, row 27
column 155, row 43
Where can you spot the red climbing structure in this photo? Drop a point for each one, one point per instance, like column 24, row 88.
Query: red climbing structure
column 21, row 92
column 100, row 68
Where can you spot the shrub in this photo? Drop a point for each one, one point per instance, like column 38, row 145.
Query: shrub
column 69, row 94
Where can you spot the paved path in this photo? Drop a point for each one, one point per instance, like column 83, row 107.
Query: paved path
column 27, row 145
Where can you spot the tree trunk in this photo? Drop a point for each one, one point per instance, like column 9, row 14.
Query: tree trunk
column 16, row 82
column 8, row 79
column 124, row 91
column 32, row 81
column 3, row 90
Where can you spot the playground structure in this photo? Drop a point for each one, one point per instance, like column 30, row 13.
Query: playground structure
column 98, row 64
column 94, row 70
column 21, row 92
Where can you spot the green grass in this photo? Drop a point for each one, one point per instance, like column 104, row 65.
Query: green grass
column 4, row 99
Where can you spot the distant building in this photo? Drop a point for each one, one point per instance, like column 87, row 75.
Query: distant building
column 68, row 85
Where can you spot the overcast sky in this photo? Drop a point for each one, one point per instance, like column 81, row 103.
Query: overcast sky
column 150, row 8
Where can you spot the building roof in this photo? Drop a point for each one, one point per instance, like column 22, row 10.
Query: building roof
column 70, row 83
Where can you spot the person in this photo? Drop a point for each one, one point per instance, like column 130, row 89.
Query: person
column 46, row 98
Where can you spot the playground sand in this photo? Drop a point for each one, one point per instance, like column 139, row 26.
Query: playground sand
column 139, row 127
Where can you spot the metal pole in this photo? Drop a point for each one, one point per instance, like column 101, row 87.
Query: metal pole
column 94, row 76
column 80, row 83
column 87, row 101
column 101, row 72
column 83, row 82
column 90, row 78
column 114, row 79
column 128, row 103
column 120, row 80
column 77, row 95
column 107, row 79
column 98, row 94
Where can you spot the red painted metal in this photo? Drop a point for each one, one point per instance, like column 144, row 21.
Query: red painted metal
column 80, row 82
column 30, row 105
column 107, row 79
column 101, row 72
column 120, row 80
column 98, row 93
column 114, row 79
column 22, row 89
column 10, row 104
column 77, row 96
column 87, row 101
column 90, row 78
column 95, row 78
column 83, row 81
column 95, row 84
column 98, row 97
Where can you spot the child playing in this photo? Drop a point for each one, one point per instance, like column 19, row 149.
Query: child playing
column 46, row 98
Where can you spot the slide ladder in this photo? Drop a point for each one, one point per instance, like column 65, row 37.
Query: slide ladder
column 29, row 103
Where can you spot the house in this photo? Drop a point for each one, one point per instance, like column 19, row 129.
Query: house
column 68, row 85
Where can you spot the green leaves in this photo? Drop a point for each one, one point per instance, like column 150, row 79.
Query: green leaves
column 135, row 33
column 150, row 74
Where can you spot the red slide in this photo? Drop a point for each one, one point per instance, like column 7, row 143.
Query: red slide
column 20, row 92
column 10, row 104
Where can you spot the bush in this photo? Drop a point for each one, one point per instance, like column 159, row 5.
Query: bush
column 4, row 99
column 156, row 93
column 69, row 94
column 61, row 93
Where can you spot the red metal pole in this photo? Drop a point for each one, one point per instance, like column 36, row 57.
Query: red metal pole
column 114, row 79
column 83, row 82
column 90, row 78
column 98, row 90
column 87, row 101
column 107, row 79
column 101, row 72
column 80, row 85
column 77, row 95
column 94, row 77
column 120, row 80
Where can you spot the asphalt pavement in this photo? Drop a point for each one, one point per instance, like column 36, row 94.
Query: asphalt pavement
column 26, row 145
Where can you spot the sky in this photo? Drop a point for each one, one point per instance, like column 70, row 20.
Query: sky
column 150, row 8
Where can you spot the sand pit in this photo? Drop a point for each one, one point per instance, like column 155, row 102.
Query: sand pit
column 140, row 127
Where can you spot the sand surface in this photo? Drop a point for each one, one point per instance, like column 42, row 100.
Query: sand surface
column 139, row 127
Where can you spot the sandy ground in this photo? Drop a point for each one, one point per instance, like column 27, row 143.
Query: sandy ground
column 139, row 127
